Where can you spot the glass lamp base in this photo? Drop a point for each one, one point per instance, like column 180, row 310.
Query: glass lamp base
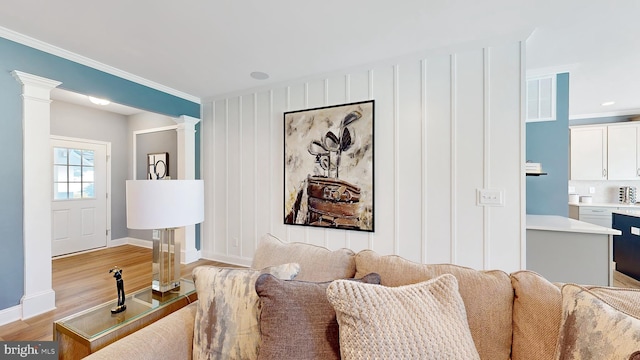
column 166, row 262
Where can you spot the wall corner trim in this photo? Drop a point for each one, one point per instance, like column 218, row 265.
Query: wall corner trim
column 38, row 304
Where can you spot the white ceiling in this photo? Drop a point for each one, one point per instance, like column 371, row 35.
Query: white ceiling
column 83, row 100
column 205, row 48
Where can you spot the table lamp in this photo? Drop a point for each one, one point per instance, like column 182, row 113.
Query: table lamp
column 164, row 205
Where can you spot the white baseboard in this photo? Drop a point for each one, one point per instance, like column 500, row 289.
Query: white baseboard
column 189, row 256
column 118, row 242
column 139, row 242
column 232, row 260
column 10, row 315
column 38, row 303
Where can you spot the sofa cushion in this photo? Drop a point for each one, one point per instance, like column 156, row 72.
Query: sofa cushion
column 226, row 322
column 599, row 323
column 171, row 337
column 297, row 322
column 537, row 314
column 487, row 295
column 426, row 320
column 316, row 263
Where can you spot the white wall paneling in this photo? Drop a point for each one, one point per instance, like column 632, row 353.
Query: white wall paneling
column 446, row 125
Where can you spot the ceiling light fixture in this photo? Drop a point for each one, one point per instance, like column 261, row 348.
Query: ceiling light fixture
column 259, row 75
column 99, row 101
column 608, row 103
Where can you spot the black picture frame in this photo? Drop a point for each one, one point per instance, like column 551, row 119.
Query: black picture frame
column 329, row 166
column 158, row 166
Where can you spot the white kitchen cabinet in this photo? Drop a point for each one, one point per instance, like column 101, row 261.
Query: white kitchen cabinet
column 588, row 153
column 623, row 152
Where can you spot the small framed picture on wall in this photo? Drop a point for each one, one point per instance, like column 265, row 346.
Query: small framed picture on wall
column 158, row 166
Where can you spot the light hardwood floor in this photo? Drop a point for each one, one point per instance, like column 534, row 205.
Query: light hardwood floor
column 83, row 281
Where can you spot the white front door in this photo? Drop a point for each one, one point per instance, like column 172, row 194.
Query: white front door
column 79, row 204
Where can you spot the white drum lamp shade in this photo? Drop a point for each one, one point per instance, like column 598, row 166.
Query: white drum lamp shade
column 164, row 205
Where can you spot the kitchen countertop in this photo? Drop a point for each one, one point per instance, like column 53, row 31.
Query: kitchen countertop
column 563, row 224
column 629, row 212
column 618, row 205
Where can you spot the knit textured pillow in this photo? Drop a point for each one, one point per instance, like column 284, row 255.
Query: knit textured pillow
column 226, row 322
column 425, row 321
column 599, row 323
column 297, row 322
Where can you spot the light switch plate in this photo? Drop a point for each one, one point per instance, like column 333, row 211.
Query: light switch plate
column 490, row 197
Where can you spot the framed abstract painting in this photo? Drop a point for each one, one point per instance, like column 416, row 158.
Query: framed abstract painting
column 329, row 166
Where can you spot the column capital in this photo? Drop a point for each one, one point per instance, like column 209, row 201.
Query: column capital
column 33, row 80
column 185, row 122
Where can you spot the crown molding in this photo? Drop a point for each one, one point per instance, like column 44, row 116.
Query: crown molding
column 65, row 54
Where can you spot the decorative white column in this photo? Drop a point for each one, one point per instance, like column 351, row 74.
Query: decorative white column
column 187, row 171
column 39, row 296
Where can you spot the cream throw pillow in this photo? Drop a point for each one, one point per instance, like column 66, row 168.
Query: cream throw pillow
column 227, row 317
column 599, row 323
column 425, row 321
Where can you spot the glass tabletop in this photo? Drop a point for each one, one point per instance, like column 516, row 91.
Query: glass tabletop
column 99, row 320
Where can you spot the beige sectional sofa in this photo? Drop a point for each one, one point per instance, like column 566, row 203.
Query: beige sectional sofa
column 519, row 316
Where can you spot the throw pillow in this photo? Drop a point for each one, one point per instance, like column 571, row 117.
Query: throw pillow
column 226, row 323
column 599, row 323
column 316, row 263
column 297, row 322
column 487, row 296
column 420, row 321
column 537, row 314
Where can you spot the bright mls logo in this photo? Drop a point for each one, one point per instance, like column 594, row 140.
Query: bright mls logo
column 29, row 350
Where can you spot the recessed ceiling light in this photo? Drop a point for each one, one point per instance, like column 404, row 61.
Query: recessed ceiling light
column 608, row 103
column 259, row 75
column 99, row 101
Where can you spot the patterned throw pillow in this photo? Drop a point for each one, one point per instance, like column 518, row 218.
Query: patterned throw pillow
column 425, row 321
column 226, row 323
column 599, row 323
column 297, row 322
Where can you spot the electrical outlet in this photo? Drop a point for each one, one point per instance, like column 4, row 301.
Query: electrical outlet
column 235, row 242
column 572, row 189
column 490, row 197
column 592, row 190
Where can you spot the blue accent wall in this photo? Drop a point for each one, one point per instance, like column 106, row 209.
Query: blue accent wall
column 75, row 77
column 548, row 144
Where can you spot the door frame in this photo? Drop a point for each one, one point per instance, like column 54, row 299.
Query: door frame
column 107, row 144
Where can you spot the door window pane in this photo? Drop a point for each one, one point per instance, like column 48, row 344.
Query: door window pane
column 87, row 191
column 60, row 173
column 60, row 191
column 60, row 156
column 75, row 191
column 75, row 157
column 73, row 174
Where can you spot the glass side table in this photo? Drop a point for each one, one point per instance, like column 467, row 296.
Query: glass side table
column 90, row 330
